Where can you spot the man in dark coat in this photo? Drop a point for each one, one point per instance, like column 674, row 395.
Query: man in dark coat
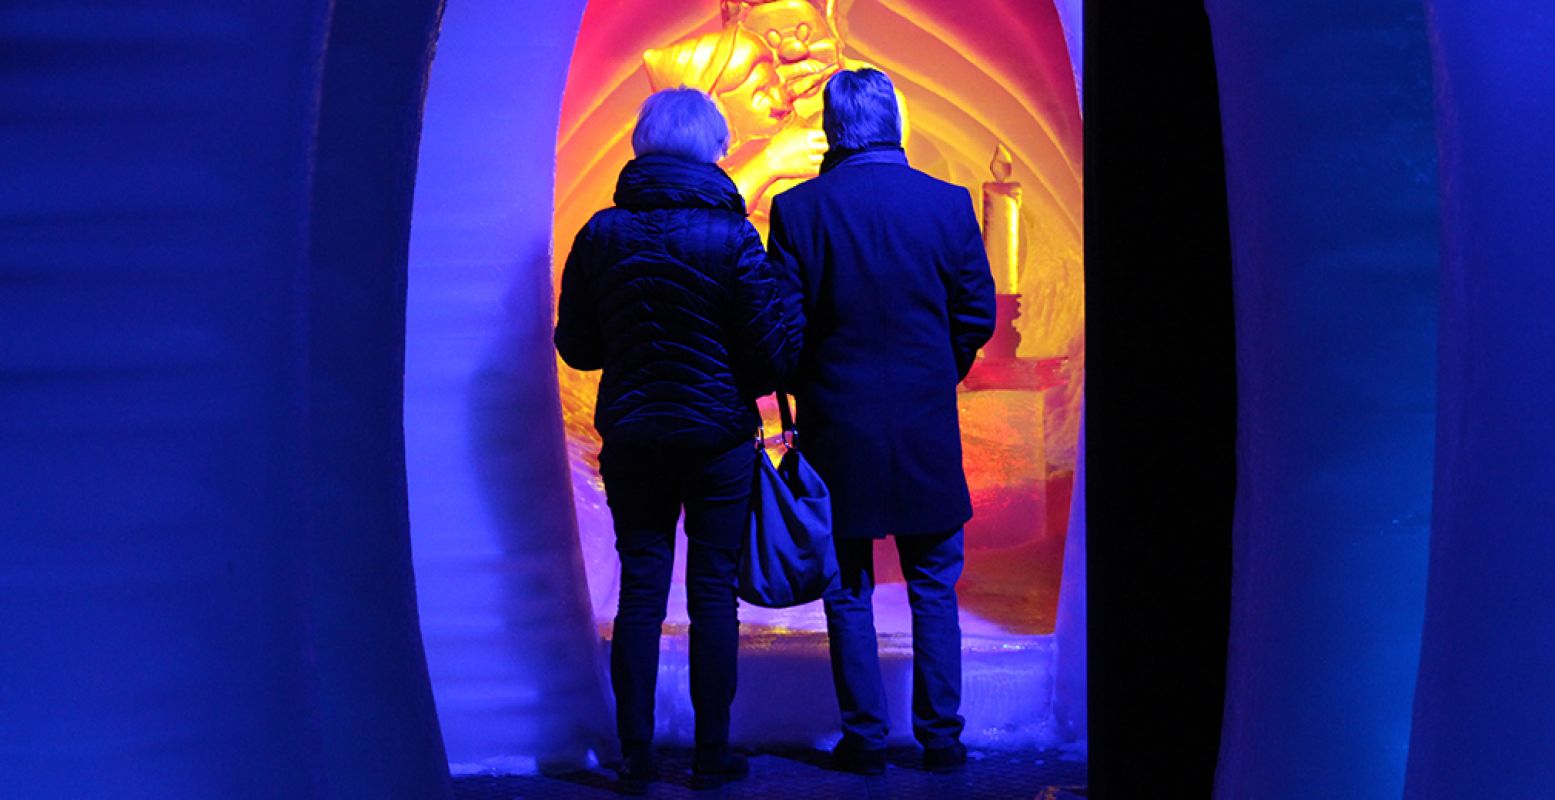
column 883, row 268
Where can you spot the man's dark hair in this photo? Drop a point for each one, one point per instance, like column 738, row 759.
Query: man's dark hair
column 861, row 110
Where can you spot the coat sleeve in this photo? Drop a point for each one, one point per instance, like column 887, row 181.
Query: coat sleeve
column 579, row 338
column 790, row 279
column 764, row 354
column 971, row 291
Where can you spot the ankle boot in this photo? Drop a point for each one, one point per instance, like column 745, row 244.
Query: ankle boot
column 716, row 765
column 850, row 755
column 637, row 769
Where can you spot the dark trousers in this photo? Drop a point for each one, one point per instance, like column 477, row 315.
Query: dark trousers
column 931, row 565
column 646, row 488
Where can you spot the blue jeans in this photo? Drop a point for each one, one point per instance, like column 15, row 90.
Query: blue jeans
column 646, row 488
column 931, row 565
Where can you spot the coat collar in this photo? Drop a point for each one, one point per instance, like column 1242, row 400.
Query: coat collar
column 661, row 182
column 881, row 153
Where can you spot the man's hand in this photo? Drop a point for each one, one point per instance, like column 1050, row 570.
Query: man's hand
column 793, row 153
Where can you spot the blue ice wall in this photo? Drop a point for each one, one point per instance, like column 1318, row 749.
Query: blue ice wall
column 205, row 587
column 152, row 407
column 1071, row 682
column 1330, row 161
column 1484, row 704
column 510, row 635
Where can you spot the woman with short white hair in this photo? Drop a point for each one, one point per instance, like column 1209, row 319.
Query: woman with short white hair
column 669, row 293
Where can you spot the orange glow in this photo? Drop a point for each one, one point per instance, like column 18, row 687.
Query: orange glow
column 973, row 75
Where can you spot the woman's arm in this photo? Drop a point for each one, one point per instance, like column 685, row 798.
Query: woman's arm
column 578, row 336
column 763, row 354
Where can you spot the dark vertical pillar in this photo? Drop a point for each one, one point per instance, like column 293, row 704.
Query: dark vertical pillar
column 379, row 725
column 1160, row 411
column 1330, row 165
column 153, row 398
column 1485, row 696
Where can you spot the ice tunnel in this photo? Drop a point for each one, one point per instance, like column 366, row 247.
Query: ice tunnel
column 528, row 118
column 230, row 410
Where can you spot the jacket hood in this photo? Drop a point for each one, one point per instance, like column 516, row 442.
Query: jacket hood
column 662, row 182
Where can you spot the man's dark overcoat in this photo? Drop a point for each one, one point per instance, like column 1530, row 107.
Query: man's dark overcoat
column 884, row 270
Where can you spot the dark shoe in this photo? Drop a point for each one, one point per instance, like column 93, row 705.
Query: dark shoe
column 850, row 756
column 637, row 770
column 712, row 767
column 950, row 758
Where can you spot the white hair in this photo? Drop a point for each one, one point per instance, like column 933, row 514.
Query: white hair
column 681, row 122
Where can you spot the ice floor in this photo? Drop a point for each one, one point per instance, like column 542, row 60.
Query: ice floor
column 501, row 692
column 994, row 774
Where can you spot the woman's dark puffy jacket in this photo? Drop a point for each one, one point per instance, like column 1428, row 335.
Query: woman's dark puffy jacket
column 670, row 293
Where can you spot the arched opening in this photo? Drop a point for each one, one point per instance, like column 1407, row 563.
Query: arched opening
column 981, row 83
column 506, row 559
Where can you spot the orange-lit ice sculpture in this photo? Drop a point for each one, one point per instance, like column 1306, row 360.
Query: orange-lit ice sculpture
column 767, row 66
column 979, row 77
